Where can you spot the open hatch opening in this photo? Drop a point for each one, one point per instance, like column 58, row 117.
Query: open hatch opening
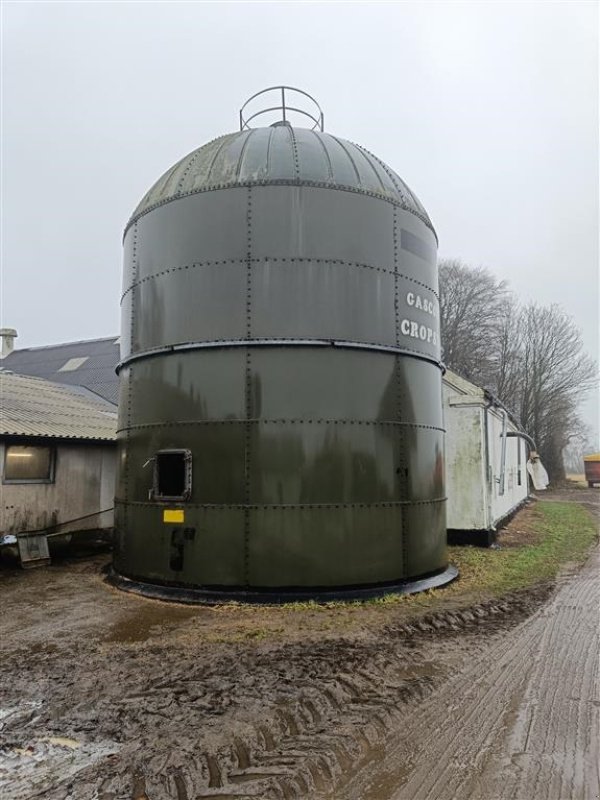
column 173, row 475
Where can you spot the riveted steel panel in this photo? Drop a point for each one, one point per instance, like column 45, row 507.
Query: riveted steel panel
column 218, row 459
column 306, row 222
column 125, row 344
column 365, row 169
column 129, row 258
column 423, row 459
column 418, row 390
column 342, row 546
column 124, row 393
column 281, row 164
column 424, row 533
column 280, row 154
column 296, row 463
column 344, row 462
column 226, row 165
column 330, row 383
column 338, row 151
column 417, row 273
column 313, row 160
column 418, row 319
column 191, row 230
column 323, row 300
column 412, row 223
column 122, row 477
column 321, row 383
column 196, row 304
column 206, row 549
column 190, row 386
column 254, row 163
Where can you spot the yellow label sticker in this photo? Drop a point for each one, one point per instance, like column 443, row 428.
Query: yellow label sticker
column 173, row 515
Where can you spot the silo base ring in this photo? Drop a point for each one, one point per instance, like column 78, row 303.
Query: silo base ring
column 216, row 596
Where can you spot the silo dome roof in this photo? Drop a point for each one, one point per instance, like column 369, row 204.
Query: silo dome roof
column 280, row 154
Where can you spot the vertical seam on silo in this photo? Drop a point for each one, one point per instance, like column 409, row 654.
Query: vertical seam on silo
column 238, row 169
column 295, row 153
column 248, row 387
column 345, row 149
column 327, row 156
column 395, row 234
column 225, row 141
column 185, row 172
column 127, row 492
column 391, row 174
column 363, row 152
column 268, row 167
column 403, row 482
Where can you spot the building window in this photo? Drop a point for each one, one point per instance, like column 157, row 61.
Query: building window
column 28, row 464
column 173, row 475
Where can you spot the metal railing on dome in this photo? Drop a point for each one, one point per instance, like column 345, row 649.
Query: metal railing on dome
column 284, row 107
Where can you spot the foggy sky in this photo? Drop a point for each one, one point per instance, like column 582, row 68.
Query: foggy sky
column 489, row 112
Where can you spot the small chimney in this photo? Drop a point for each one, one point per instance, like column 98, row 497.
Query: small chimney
column 8, row 336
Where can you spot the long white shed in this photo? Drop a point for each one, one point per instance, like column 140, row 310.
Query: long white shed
column 486, row 462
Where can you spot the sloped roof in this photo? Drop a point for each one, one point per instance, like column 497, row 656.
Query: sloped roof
column 36, row 407
column 280, row 154
column 462, row 385
column 88, row 363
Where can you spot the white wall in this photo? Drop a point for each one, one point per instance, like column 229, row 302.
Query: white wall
column 514, row 493
column 465, row 466
column 474, row 459
column 84, row 482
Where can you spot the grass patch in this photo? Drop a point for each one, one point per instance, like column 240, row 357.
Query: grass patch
column 564, row 533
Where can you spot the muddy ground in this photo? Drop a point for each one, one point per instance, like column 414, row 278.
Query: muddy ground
column 108, row 696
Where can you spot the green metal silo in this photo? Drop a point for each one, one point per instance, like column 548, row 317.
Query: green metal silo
column 280, row 412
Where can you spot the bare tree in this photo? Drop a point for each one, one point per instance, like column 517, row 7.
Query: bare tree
column 551, row 375
column 582, row 443
column 531, row 357
column 473, row 308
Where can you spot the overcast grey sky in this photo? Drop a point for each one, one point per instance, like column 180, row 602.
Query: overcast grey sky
column 489, row 111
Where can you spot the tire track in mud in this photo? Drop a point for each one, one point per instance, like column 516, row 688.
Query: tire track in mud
column 198, row 732
column 326, row 724
column 521, row 722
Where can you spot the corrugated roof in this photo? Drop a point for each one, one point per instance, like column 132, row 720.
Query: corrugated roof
column 280, row 154
column 35, row 407
column 96, row 373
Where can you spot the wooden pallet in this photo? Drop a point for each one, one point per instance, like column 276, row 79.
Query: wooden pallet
column 33, row 550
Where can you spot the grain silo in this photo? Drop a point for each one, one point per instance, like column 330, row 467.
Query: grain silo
column 280, row 409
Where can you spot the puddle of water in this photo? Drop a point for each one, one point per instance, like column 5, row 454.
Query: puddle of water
column 149, row 620
column 62, row 741
column 47, row 763
column 20, row 712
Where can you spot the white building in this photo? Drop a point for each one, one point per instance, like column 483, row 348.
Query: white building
column 486, row 462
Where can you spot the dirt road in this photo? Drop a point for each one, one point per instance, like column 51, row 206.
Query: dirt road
column 521, row 722
column 108, row 696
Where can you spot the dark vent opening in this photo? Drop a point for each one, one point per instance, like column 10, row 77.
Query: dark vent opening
column 173, row 474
